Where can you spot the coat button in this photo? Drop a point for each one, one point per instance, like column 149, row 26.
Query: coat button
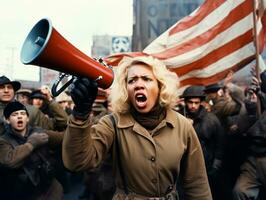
column 152, row 159
column 154, row 180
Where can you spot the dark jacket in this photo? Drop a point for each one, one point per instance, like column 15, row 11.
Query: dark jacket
column 257, row 136
column 210, row 133
column 26, row 172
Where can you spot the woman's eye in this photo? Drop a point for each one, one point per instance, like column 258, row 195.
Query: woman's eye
column 147, row 79
column 131, row 81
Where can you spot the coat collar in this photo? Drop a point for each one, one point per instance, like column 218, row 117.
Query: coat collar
column 126, row 120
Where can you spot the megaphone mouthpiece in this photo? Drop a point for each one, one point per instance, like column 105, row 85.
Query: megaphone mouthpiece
column 39, row 41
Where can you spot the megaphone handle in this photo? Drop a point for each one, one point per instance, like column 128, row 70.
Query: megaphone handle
column 54, row 90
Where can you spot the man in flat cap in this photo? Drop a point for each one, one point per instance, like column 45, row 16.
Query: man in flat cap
column 23, row 95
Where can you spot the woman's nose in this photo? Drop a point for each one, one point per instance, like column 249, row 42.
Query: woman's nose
column 139, row 83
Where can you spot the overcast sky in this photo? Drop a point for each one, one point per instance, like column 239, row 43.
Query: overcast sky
column 76, row 20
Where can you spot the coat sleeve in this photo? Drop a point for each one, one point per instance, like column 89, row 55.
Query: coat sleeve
column 193, row 172
column 60, row 116
column 85, row 145
column 55, row 137
column 37, row 118
column 14, row 157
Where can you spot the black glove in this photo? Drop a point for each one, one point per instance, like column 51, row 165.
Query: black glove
column 83, row 93
column 38, row 139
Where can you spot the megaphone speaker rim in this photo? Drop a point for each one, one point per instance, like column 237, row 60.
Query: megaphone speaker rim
column 25, row 56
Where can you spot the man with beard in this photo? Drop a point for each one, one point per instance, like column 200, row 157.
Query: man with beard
column 209, row 131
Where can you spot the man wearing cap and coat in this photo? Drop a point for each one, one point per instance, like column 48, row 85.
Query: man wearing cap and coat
column 209, row 132
column 36, row 117
column 26, row 164
column 227, row 105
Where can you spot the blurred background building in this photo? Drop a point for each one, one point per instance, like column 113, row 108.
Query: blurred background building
column 104, row 45
column 152, row 18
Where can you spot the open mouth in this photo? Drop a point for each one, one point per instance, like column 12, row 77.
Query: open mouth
column 141, row 100
column 20, row 123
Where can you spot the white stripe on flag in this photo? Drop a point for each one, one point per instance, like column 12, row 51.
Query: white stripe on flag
column 222, row 64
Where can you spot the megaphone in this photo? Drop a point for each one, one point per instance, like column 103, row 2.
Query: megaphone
column 45, row 47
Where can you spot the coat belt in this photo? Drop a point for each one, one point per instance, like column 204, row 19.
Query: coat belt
column 120, row 194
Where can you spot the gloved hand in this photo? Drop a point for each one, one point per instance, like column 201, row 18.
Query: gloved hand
column 263, row 81
column 255, row 83
column 38, row 139
column 83, row 93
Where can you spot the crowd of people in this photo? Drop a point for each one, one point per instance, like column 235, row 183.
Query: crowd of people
column 141, row 141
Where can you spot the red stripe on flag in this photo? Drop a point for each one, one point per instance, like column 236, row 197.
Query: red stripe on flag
column 237, row 14
column 217, row 77
column 189, row 21
column 263, row 20
column 217, row 54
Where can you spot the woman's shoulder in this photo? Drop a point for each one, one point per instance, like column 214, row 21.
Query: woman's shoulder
column 177, row 118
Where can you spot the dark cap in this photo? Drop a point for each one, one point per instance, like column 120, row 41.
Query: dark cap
column 12, row 107
column 193, row 92
column 4, row 80
column 37, row 94
column 212, row 88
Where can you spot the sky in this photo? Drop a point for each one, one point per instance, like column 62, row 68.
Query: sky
column 75, row 20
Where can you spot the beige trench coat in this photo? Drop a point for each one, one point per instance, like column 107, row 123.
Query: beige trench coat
column 151, row 160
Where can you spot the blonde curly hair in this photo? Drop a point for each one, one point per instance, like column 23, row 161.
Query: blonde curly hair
column 168, row 83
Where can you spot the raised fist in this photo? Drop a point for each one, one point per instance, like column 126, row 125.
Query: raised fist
column 83, row 93
column 38, row 139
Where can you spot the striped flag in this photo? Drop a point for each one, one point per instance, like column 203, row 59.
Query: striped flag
column 203, row 47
